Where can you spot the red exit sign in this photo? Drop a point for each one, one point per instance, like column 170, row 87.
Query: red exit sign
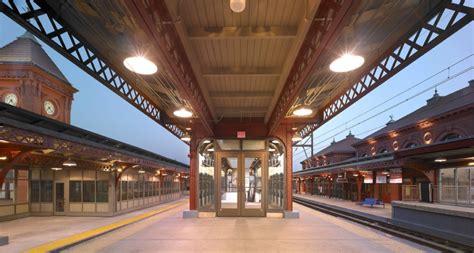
column 240, row 134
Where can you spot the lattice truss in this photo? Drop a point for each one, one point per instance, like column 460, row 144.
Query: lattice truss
column 319, row 35
column 54, row 32
column 166, row 36
column 59, row 146
column 446, row 20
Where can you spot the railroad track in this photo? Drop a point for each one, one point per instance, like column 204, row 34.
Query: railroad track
column 417, row 237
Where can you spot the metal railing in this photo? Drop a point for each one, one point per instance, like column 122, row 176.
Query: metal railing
column 410, row 192
column 457, row 195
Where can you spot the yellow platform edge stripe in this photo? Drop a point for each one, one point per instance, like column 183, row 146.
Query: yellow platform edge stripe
column 61, row 243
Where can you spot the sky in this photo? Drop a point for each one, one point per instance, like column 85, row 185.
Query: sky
column 98, row 109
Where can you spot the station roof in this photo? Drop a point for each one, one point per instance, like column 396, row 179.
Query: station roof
column 27, row 50
column 435, row 106
column 26, row 120
column 458, row 152
column 342, row 146
column 260, row 64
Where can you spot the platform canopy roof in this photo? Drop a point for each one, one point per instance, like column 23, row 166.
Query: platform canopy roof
column 257, row 65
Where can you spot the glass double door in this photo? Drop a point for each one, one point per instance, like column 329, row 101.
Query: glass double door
column 241, row 183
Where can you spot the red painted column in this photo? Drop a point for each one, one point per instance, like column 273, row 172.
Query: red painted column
column 289, row 168
column 359, row 187
column 193, row 163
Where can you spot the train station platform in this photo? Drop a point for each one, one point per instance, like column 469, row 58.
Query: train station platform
column 31, row 232
column 169, row 232
column 377, row 212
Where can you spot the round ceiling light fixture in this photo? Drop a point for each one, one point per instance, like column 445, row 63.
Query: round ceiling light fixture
column 440, row 160
column 296, row 137
column 183, row 113
column 237, row 5
column 140, row 65
column 346, row 63
column 186, row 137
column 302, row 111
column 69, row 163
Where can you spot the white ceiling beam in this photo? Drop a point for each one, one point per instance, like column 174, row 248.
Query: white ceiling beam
column 247, row 71
column 247, row 32
column 241, row 94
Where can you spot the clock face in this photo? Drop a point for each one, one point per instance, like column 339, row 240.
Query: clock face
column 49, row 107
column 11, row 99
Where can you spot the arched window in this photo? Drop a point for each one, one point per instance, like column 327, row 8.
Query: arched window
column 451, row 136
column 411, row 145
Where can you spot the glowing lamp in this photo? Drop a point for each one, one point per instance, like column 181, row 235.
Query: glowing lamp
column 183, row 113
column 296, row 137
column 140, row 65
column 69, row 163
column 440, row 160
column 237, row 6
column 346, row 63
column 186, row 137
column 302, row 111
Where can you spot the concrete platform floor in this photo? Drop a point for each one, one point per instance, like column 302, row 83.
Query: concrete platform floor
column 376, row 210
column 29, row 232
column 313, row 232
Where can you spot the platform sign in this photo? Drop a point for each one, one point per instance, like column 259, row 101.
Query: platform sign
column 240, row 134
column 368, row 177
column 381, row 178
column 396, row 176
column 341, row 180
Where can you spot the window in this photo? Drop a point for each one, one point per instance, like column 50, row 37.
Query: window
column 22, row 187
column 103, row 191
column 7, row 192
column 46, row 191
column 157, row 188
column 124, row 190
column 411, row 145
column 130, row 189
column 89, row 191
column 150, row 188
column 451, row 136
column 75, row 191
column 35, row 191
column 137, row 189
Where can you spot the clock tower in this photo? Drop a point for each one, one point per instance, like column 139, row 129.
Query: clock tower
column 30, row 80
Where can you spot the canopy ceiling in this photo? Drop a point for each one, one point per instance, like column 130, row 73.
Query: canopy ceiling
column 260, row 63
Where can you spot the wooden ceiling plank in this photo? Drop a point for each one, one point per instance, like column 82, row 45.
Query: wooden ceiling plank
column 241, row 94
column 247, row 32
column 236, row 71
